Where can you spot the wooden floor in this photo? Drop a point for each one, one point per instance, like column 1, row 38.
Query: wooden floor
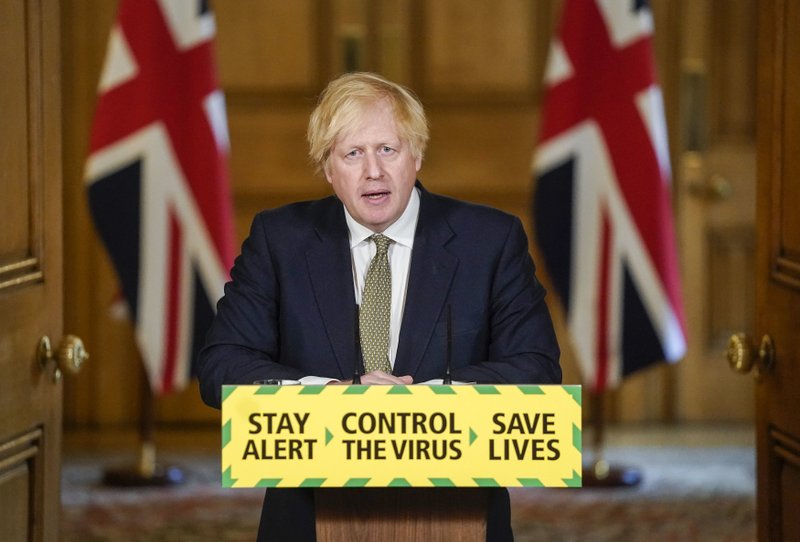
column 202, row 439
column 680, row 435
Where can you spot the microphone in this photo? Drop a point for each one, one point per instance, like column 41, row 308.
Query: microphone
column 359, row 362
column 449, row 351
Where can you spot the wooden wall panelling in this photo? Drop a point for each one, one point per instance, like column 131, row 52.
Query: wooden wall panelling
column 269, row 162
column 733, row 71
column 267, row 46
column 489, row 52
column 352, row 46
column 393, row 43
column 730, row 283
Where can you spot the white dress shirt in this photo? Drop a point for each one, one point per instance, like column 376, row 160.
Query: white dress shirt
column 362, row 250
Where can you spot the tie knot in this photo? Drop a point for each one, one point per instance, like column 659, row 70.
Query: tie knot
column 381, row 243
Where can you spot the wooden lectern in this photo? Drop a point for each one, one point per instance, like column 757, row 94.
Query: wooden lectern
column 417, row 514
column 419, row 463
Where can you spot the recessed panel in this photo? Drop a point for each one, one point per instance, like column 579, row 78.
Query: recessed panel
column 785, row 486
column 789, row 196
column 14, row 498
column 266, row 45
column 18, row 460
column 731, row 283
column 487, row 47
column 14, row 137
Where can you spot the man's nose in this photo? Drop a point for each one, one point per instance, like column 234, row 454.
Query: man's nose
column 373, row 166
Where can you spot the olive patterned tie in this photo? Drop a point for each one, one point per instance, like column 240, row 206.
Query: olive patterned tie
column 376, row 306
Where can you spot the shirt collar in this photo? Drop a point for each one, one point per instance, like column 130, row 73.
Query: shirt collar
column 401, row 232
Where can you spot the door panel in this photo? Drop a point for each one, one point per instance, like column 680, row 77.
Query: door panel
column 30, row 269
column 716, row 177
column 778, row 271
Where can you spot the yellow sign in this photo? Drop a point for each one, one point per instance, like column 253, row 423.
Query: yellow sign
column 401, row 436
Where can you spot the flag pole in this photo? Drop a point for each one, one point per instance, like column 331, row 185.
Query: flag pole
column 147, row 471
column 599, row 472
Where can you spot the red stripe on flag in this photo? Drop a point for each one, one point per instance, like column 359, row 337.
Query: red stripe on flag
column 603, row 304
column 173, row 303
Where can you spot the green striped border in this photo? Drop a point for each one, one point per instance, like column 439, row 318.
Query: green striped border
column 485, row 389
column 356, row 482
column 356, row 389
column 227, row 479
column 531, row 390
column 269, row 482
column 530, row 482
column 487, row 482
column 226, row 432
column 227, row 391
column 575, row 481
column 576, row 392
column 443, row 390
column 312, row 482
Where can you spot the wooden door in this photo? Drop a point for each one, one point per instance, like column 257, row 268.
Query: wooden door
column 715, row 141
column 778, row 272
column 30, row 269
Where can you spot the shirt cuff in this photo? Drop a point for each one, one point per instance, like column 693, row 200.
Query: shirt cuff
column 316, row 380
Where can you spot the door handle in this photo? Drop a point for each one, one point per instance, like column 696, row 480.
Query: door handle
column 743, row 357
column 714, row 188
column 70, row 357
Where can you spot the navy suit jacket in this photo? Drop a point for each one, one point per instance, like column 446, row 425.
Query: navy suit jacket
column 289, row 310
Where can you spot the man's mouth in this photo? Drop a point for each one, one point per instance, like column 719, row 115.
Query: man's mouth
column 374, row 196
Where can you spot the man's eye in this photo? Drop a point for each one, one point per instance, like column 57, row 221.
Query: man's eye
column 387, row 149
column 352, row 153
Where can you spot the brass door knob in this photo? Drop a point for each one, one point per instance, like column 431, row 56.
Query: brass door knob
column 70, row 357
column 714, row 188
column 743, row 357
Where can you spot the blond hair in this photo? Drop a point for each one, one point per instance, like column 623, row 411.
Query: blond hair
column 346, row 98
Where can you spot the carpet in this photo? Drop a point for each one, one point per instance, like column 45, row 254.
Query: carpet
column 686, row 494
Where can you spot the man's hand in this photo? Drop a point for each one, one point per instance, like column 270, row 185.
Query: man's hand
column 379, row 377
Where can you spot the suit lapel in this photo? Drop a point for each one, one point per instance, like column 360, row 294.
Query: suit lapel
column 430, row 276
column 331, row 274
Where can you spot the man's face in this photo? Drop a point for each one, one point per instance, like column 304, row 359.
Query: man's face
column 371, row 170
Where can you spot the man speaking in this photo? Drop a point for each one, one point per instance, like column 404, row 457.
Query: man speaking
column 387, row 260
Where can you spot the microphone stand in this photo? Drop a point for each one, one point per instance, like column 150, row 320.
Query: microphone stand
column 359, row 353
column 447, row 380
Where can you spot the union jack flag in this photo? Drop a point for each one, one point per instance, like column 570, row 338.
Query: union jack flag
column 601, row 209
column 157, row 179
